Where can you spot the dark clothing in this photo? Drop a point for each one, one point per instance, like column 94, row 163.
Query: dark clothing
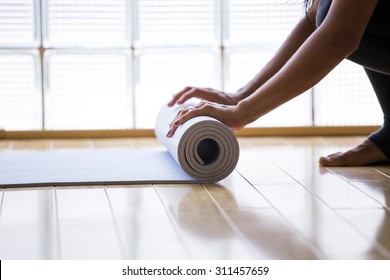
column 373, row 54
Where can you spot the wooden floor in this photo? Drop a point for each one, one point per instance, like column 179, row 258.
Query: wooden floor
column 278, row 204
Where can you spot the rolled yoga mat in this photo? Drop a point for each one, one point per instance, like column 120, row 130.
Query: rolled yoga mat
column 203, row 150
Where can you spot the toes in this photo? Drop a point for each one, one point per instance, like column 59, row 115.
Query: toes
column 324, row 161
column 364, row 154
column 337, row 159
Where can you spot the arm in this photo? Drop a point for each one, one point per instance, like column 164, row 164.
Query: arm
column 296, row 38
column 338, row 36
column 299, row 34
column 334, row 40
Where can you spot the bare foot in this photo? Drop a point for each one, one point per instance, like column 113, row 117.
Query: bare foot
column 364, row 154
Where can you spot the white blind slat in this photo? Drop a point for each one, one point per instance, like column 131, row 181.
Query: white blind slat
column 88, row 91
column 345, row 97
column 163, row 74
column 174, row 22
column 261, row 21
column 20, row 98
column 88, row 23
column 112, row 55
column 18, row 23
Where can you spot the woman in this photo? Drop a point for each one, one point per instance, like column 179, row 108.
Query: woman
column 331, row 31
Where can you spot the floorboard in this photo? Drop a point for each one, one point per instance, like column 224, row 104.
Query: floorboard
column 279, row 203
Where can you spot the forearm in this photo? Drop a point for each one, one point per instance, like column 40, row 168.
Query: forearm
column 337, row 37
column 313, row 61
column 297, row 37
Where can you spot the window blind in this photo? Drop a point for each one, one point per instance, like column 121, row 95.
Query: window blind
column 346, row 97
column 253, row 21
column 110, row 64
column 175, row 22
column 88, row 91
column 18, row 23
column 20, row 102
column 164, row 73
column 86, row 23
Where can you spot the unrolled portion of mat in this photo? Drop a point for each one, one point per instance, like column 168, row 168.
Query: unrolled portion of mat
column 89, row 167
column 203, row 150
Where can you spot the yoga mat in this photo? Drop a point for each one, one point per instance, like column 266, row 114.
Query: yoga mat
column 203, row 150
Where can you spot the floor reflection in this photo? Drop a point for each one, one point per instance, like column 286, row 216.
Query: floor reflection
column 261, row 229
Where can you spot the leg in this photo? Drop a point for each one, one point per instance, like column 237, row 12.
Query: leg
column 373, row 55
column 381, row 84
column 377, row 147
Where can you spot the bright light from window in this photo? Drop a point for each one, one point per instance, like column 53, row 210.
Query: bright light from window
column 162, row 74
column 88, row 91
column 18, row 22
column 111, row 64
column 345, row 97
column 176, row 23
column 266, row 21
column 20, row 106
column 75, row 23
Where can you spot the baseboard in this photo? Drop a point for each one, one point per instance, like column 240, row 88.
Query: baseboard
column 246, row 132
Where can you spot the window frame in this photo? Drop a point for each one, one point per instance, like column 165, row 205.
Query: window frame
column 221, row 45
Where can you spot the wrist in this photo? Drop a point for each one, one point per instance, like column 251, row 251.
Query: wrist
column 242, row 113
column 240, row 95
column 235, row 98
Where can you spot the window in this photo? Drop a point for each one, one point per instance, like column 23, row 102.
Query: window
column 111, row 64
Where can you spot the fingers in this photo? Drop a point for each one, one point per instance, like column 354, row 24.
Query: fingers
column 201, row 93
column 181, row 113
column 178, row 95
column 226, row 114
column 183, row 116
column 189, row 94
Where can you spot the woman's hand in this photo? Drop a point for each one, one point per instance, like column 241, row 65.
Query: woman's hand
column 206, row 94
column 227, row 114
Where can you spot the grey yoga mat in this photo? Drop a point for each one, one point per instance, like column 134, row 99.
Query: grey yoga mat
column 203, row 150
